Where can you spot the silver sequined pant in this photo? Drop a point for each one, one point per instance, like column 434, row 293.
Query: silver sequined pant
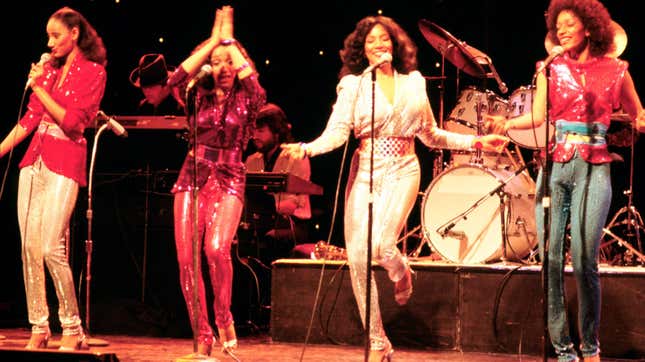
column 45, row 204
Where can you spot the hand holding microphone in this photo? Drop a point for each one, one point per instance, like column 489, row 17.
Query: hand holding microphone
column 36, row 69
column 112, row 124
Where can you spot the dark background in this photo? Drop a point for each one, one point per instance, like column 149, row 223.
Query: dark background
column 295, row 47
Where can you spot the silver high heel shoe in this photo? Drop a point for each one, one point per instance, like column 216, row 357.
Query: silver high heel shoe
column 403, row 287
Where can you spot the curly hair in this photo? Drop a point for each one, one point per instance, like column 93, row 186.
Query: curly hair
column 595, row 19
column 404, row 57
column 90, row 43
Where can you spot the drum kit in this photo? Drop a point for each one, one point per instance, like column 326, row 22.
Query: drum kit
column 481, row 207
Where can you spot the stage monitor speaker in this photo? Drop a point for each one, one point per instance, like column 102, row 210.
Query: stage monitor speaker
column 43, row 355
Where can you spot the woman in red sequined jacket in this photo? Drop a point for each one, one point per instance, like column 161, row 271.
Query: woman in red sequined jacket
column 66, row 94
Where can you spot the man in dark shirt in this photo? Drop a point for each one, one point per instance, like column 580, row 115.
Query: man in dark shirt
column 151, row 76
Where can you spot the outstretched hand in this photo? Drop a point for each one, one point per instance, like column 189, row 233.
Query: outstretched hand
column 640, row 121
column 495, row 123
column 293, row 150
column 492, row 143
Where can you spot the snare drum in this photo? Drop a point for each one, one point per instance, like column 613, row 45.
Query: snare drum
column 463, row 118
column 520, row 102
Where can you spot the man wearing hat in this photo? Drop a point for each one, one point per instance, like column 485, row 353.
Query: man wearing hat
column 151, row 76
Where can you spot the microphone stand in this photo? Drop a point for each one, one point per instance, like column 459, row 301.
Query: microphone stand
column 89, row 243
column 546, row 205
column 444, row 229
column 370, row 207
column 191, row 93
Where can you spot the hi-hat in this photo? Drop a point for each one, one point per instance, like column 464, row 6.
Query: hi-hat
column 460, row 54
column 620, row 41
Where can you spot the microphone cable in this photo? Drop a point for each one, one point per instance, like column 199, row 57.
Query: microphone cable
column 13, row 135
column 331, row 226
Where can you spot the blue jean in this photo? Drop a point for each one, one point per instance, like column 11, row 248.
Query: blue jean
column 580, row 193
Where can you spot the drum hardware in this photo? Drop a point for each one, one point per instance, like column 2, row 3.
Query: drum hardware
column 631, row 218
column 446, row 229
column 473, row 236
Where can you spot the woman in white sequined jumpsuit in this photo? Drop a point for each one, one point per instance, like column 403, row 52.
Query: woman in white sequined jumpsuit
column 401, row 113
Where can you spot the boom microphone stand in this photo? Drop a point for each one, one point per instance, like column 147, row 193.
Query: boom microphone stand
column 89, row 242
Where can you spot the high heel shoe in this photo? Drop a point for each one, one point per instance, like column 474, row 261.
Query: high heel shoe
column 38, row 340
column 381, row 355
column 73, row 342
column 228, row 338
column 205, row 345
column 403, row 287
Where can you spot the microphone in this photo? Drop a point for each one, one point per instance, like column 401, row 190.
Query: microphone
column 112, row 124
column 385, row 58
column 446, row 230
column 556, row 51
column 204, row 72
column 44, row 58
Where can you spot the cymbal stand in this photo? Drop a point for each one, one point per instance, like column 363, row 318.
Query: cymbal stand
column 437, row 165
column 632, row 218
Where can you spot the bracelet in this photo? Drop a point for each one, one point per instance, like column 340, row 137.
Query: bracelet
column 227, row 42
column 478, row 143
column 242, row 67
column 303, row 147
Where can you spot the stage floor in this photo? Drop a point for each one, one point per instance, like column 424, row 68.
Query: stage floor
column 258, row 348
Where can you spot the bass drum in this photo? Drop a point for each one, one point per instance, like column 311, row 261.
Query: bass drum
column 463, row 224
column 520, row 102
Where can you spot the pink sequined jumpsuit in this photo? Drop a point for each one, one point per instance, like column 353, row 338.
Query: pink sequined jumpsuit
column 222, row 134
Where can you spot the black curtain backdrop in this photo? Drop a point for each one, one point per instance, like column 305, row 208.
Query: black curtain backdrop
column 295, row 48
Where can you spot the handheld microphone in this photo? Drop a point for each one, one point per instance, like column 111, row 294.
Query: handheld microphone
column 112, row 124
column 446, row 230
column 385, row 58
column 205, row 71
column 44, row 58
column 556, row 51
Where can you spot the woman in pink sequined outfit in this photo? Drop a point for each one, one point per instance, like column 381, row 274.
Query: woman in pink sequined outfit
column 402, row 112
column 66, row 94
column 585, row 85
column 224, row 117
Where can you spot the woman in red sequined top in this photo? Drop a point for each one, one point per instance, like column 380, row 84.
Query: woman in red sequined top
column 584, row 85
column 224, row 121
column 66, row 94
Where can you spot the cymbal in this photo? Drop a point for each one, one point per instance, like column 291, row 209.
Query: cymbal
column 620, row 41
column 460, row 54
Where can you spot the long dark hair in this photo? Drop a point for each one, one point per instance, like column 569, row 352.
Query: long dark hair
column 90, row 43
column 404, row 57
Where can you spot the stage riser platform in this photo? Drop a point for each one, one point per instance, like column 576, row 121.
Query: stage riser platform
column 487, row 308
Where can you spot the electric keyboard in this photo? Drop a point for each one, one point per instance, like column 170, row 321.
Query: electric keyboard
column 281, row 182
